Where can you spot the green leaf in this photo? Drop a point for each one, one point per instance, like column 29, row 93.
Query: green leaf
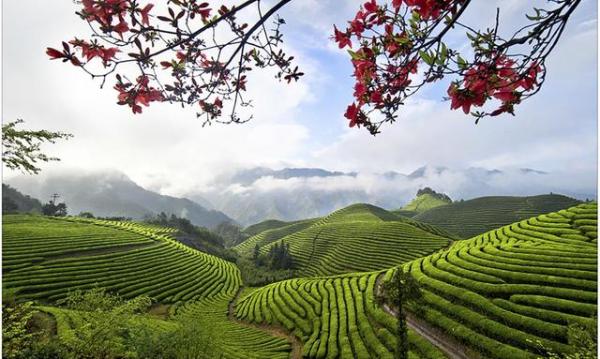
column 354, row 55
column 426, row 57
column 443, row 55
column 462, row 63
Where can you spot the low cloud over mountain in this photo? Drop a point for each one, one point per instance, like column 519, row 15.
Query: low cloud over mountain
column 110, row 194
column 252, row 195
column 256, row 194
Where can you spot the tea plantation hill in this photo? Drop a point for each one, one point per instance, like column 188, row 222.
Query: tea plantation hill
column 503, row 294
column 466, row 219
column 44, row 258
column 360, row 237
column 426, row 199
column 257, row 228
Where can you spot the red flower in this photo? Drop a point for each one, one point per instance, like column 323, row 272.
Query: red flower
column 341, row 38
column 370, row 7
column 376, row 97
column 144, row 12
column 352, row 113
column 108, row 54
column 121, row 28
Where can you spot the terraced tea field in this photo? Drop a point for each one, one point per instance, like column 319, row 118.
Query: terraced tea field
column 358, row 238
column 503, row 294
column 507, row 291
column 335, row 317
column 270, row 235
column 473, row 217
column 45, row 258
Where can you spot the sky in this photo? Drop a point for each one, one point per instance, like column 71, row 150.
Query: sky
column 299, row 125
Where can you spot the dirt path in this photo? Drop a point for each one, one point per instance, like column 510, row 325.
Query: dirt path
column 448, row 345
column 274, row 330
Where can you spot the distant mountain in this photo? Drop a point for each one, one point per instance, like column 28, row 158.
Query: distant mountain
column 256, row 194
column 114, row 194
column 249, row 176
column 14, row 201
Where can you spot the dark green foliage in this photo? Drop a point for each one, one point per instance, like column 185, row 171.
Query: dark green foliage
column 54, row 209
column 401, row 289
column 279, row 256
column 429, row 191
column 86, row 215
column 193, row 236
column 14, row 201
column 230, row 233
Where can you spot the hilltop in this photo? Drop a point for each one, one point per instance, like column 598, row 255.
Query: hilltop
column 472, row 217
column 426, row 199
column 359, row 237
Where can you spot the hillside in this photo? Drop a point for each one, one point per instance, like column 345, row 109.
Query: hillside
column 44, row 258
column 14, row 201
column 426, row 199
column 503, row 294
column 511, row 289
column 469, row 218
column 113, row 194
column 360, row 237
column 334, row 317
column 268, row 224
column 268, row 236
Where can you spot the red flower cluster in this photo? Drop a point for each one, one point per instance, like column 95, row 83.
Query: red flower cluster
column 428, row 9
column 110, row 14
column 141, row 93
column 497, row 78
column 376, row 84
column 91, row 50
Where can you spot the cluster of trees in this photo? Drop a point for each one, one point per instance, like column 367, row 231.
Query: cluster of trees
column 278, row 257
column 193, row 236
column 54, row 209
column 231, row 233
column 110, row 327
column 438, row 195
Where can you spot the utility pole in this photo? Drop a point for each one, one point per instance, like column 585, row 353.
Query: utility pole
column 54, row 197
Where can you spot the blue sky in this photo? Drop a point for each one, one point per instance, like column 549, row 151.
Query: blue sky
column 166, row 148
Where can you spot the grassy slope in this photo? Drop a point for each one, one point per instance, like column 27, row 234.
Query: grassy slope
column 44, row 258
column 469, row 218
column 360, row 237
column 423, row 203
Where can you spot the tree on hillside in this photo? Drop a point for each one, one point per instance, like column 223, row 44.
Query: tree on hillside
column 401, row 289
column 21, row 149
column 200, row 54
column 54, row 209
